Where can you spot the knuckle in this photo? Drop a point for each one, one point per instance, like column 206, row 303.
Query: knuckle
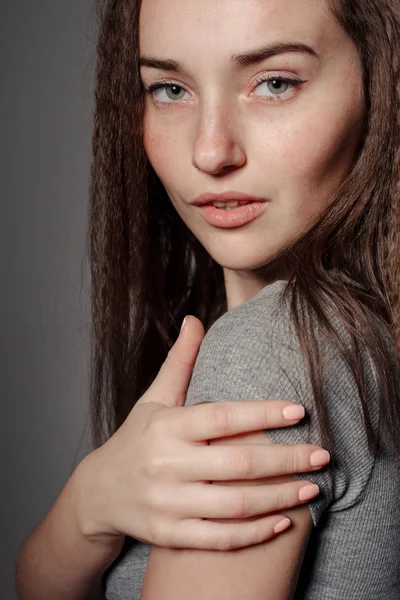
column 283, row 497
column 155, row 427
column 245, row 462
column 154, row 468
column 225, row 543
column 161, row 534
column 153, row 530
column 156, row 500
column 221, row 418
column 258, row 534
column 157, row 423
column 293, row 461
column 241, row 507
column 266, row 409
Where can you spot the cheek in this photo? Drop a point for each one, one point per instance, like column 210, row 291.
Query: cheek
column 155, row 145
column 164, row 146
column 327, row 153
column 322, row 147
column 304, row 157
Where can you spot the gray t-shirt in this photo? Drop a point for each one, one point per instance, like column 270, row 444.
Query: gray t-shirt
column 252, row 353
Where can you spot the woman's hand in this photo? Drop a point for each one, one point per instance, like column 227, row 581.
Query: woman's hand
column 151, row 479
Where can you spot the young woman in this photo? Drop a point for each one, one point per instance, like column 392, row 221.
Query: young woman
column 291, row 105
column 142, row 480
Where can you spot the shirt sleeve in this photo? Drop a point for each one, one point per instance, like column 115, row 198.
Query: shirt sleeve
column 252, row 353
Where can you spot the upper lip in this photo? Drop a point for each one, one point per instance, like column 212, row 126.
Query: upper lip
column 225, row 197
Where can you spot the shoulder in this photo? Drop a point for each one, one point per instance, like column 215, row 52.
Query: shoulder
column 253, row 353
column 258, row 342
column 257, row 331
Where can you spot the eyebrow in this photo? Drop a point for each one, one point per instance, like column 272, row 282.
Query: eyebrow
column 241, row 60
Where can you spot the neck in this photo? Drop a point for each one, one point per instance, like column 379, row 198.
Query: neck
column 241, row 286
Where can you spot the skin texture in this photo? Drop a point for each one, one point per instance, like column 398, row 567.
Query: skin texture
column 224, row 133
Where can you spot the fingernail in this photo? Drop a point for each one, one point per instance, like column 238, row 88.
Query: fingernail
column 294, row 412
column 308, row 491
column 282, row 525
column 183, row 323
column 319, row 458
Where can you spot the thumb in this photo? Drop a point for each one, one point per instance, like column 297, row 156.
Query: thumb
column 170, row 385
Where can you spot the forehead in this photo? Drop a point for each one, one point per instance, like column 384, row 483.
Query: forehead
column 195, row 27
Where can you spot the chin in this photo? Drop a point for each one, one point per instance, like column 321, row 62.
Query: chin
column 237, row 261
column 246, row 252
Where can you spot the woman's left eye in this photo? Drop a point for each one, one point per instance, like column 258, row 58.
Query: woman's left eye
column 276, row 86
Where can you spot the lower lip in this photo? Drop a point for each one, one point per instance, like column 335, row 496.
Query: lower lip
column 220, row 217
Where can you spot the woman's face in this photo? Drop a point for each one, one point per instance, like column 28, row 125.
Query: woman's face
column 216, row 127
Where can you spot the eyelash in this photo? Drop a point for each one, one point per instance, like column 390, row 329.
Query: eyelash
column 264, row 79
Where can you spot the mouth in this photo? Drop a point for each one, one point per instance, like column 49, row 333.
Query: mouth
column 226, row 201
column 242, row 209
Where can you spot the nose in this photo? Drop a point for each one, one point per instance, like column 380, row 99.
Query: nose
column 217, row 146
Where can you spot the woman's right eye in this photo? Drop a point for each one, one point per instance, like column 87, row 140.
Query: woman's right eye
column 167, row 93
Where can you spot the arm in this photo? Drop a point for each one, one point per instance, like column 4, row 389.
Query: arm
column 250, row 353
column 67, row 555
column 57, row 562
column 266, row 571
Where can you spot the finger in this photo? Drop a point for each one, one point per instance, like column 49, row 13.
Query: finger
column 170, row 385
column 240, row 502
column 206, row 535
column 210, row 420
column 251, row 461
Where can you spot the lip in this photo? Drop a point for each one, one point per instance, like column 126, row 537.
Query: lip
column 226, row 219
column 225, row 197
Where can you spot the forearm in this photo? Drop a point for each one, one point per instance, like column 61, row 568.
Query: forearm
column 57, row 562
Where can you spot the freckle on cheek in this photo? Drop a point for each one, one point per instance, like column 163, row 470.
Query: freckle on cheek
column 152, row 143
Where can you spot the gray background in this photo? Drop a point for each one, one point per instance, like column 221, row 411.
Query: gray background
column 46, row 69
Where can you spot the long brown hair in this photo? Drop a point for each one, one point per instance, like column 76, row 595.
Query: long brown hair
column 149, row 271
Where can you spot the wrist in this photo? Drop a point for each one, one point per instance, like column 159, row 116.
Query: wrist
column 81, row 496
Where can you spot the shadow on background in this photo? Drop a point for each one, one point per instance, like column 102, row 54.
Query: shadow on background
column 47, row 72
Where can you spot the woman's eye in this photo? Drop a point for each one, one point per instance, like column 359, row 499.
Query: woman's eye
column 275, row 86
column 268, row 87
column 167, row 93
